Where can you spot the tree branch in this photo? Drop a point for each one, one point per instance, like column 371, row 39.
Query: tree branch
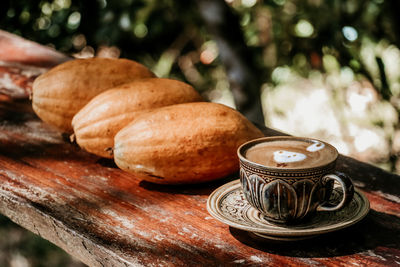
column 224, row 26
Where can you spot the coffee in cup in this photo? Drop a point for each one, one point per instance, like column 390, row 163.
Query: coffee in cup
column 288, row 178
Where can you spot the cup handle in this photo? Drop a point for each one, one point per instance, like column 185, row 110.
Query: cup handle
column 347, row 188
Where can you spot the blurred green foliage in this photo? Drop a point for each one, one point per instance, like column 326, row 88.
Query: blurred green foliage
column 302, row 34
column 142, row 30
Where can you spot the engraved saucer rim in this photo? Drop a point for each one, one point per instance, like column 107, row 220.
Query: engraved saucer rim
column 274, row 230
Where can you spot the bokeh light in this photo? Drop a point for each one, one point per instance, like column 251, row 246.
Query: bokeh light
column 304, row 29
column 350, row 33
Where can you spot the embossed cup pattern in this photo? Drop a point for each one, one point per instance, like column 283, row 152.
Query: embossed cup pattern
column 284, row 199
column 286, row 195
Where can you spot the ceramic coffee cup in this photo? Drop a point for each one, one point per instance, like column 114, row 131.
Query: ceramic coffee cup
column 289, row 178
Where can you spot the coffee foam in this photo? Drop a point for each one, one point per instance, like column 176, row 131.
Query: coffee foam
column 291, row 153
column 315, row 146
column 283, row 156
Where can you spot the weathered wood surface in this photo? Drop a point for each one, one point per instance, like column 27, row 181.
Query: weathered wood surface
column 14, row 48
column 107, row 217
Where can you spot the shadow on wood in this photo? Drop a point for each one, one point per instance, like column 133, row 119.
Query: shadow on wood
column 378, row 231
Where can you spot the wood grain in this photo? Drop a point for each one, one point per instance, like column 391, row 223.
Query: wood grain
column 107, row 217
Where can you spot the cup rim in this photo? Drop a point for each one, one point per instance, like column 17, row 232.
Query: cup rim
column 242, row 148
